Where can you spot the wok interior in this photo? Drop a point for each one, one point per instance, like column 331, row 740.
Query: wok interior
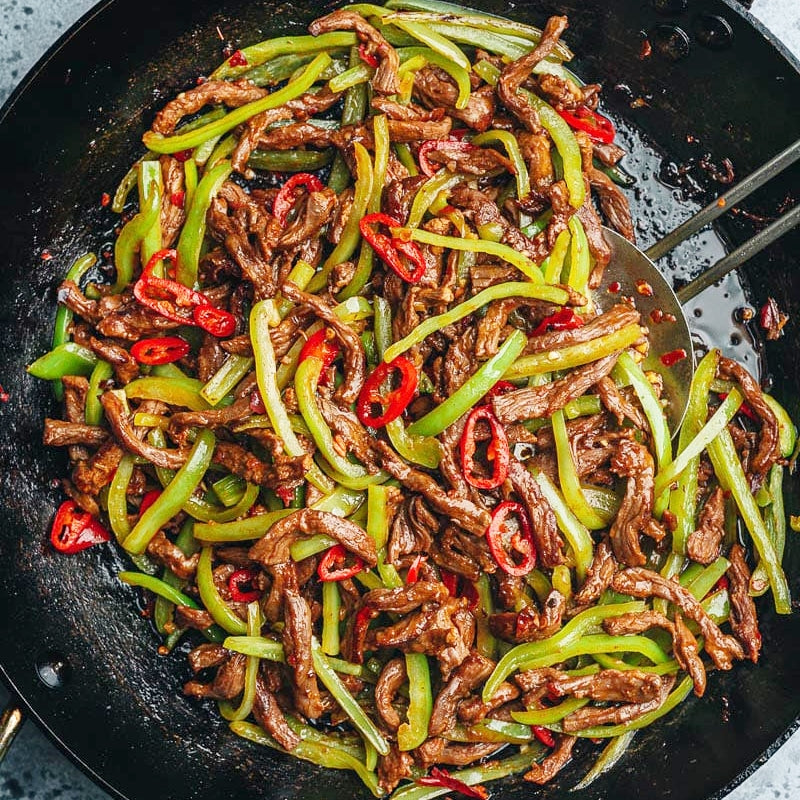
column 71, row 136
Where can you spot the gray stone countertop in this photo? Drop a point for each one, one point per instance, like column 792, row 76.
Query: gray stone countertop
column 35, row 769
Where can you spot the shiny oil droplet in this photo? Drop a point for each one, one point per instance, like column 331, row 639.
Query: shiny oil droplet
column 670, row 42
column 713, row 32
column 53, row 669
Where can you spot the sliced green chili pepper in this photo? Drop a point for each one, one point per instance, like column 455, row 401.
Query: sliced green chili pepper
column 333, row 683
column 175, row 391
column 157, row 586
column 475, row 387
column 440, row 182
column 611, row 754
column 226, row 378
column 129, row 180
column 601, row 643
column 331, row 605
column 66, row 359
column 240, row 530
column 164, row 610
column 378, row 529
column 775, row 520
column 205, row 512
column 580, row 260
column 708, row 577
column 731, row 476
column 212, row 600
column 553, row 265
column 229, row 490
column 135, row 231
column 572, row 632
column 406, row 158
column 93, row 411
column 250, row 675
column 184, row 141
column 550, row 294
column 485, row 642
column 414, row 732
column 428, row 36
column 549, row 716
column 509, row 142
column 118, row 498
column 194, row 230
column 424, row 450
column 351, row 234
column 175, row 495
column 290, row 160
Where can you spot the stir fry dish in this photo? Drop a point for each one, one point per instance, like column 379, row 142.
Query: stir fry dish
column 383, row 460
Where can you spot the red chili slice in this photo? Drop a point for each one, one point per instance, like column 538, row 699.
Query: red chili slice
column 497, row 451
column 162, row 350
column 673, row 357
column 743, row 408
column 238, row 59
column 503, row 541
column 393, row 401
column 287, row 196
column 442, row 778
column 321, row 345
column 599, row 128
column 391, row 249
column 446, row 146
column 564, row 319
column 450, row 580
column 75, row 529
column 370, row 59
column 328, row 569
column 453, row 583
column 256, row 403
column 543, row 735
column 178, row 199
column 412, row 576
column 148, row 500
column 240, row 585
column 501, row 387
column 213, row 320
column 286, row 494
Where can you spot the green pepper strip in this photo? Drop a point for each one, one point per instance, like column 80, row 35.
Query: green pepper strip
column 366, row 255
column 505, row 45
column 560, row 132
column 317, row 753
column 573, row 529
column 355, row 104
column 601, row 643
column 66, row 359
column 157, row 586
column 442, row 181
column 118, row 498
column 250, row 673
column 438, row 43
column 331, row 606
column 358, row 482
column 342, row 502
column 677, row 696
column 457, row 73
column 350, row 78
column 212, row 600
column 163, row 610
column 348, row 743
column 628, row 371
column 406, row 158
column 258, row 54
column 129, row 180
column 491, row 771
column 568, row 476
column 194, row 230
column 475, row 387
column 240, row 530
column 580, row 260
column 151, row 242
column 229, row 490
column 351, row 234
column 225, row 379
column 498, row 730
column 93, row 411
column 175, row 391
column 206, row 512
column 775, row 520
column 300, row 274
column 509, row 142
column 485, row 642
column 708, row 578
column 611, row 754
column 707, row 434
column 669, row 667
column 183, row 141
column 787, row 433
column 333, row 683
column 270, row 394
column 190, row 180
column 305, row 385
column 290, row 160
column 414, row 732
column 553, row 265
column 574, row 355
column 501, row 251
column 550, row 294
column 378, row 529
column 175, row 495
column 577, row 627
column 549, row 716
column 424, row 450
column 732, row 478
column 135, row 231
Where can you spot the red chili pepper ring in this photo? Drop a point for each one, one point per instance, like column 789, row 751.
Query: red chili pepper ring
column 74, row 529
column 504, row 541
column 393, row 401
column 497, row 451
column 391, row 249
column 330, row 568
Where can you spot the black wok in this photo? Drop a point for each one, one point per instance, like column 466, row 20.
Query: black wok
column 69, row 134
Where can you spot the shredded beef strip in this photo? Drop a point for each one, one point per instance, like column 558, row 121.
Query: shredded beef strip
column 534, row 402
column 466, row 678
column 392, row 677
column 472, row 710
column 349, row 432
column 547, row 769
column 635, row 516
column 461, row 511
column 392, row 768
column 434, row 88
column 546, row 536
column 270, row 717
column 589, row 716
column 273, row 547
column 125, row 366
column 196, row 618
column 744, row 621
column 640, row 582
column 598, row 577
column 769, row 450
column 207, row 655
column 58, row 433
column 609, row 685
column 622, row 408
column 385, row 80
column 310, row 220
column 355, row 359
column 173, row 203
column 227, row 684
column 172, row 557
column 229, row 93
column 530, row 625
column 517, row 72
column 704, row 543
